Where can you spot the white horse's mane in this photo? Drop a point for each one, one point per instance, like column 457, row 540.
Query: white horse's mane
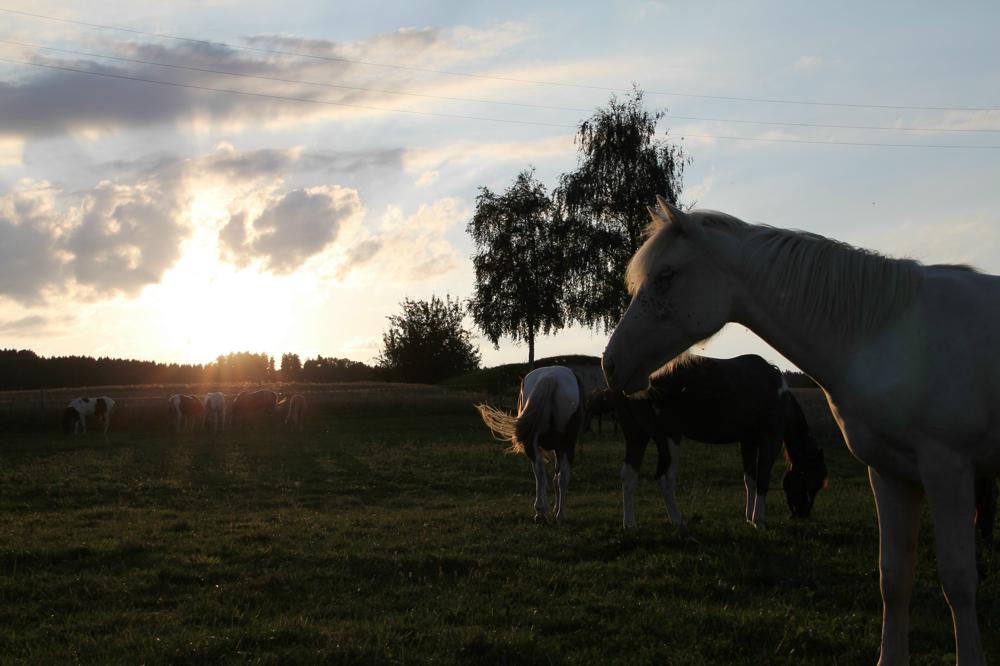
column 823, row 283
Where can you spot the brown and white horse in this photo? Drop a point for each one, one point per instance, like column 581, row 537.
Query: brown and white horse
column 254, row 406
column 215, row 409
column 549, row 418
column 184, row 411
column 76, row 413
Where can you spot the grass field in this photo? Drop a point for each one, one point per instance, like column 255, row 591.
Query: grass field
column 405, row 536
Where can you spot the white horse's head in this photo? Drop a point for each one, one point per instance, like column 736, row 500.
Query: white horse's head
column 679, row 297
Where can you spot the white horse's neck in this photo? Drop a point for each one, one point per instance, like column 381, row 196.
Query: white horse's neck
column 822, row 357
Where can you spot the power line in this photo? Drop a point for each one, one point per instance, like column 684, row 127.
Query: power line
column 459, row 116
column 263, row 77
column 367, row 63
column 822, row 126
column 285, row 80
column 838, row 143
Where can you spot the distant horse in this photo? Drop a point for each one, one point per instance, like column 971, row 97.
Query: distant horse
column 214, row 407
column 549, row 417
column 76, row 413
column 255, row 406
column 295, row 407
column 184, row 411
column 906, row 355
column 718, row 401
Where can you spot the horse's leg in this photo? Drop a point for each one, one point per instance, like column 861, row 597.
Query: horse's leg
column 949, row 484
column 541, row 502
column 898, row 505
column 748, row 455
column 561, row 483
column 767, row 452
column 636, row 440
column 666, row 477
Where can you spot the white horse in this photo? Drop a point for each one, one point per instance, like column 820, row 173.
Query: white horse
column 549, row 418
column 77, row 411
column 296, row 406
column 214, row 407
column 905, row 353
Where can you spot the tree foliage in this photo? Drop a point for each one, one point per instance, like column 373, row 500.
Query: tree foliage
column 621, row 168
column 426, row 343
column 291, row 367
column 519, row 263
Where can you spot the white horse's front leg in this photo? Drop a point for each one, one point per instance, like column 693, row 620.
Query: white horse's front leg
column 751, row 496
column 898, row 505
column 668, row 486
column 630, row 480
column 759, row 510
column 541, row 502
column 561, row 484
column 949, row 486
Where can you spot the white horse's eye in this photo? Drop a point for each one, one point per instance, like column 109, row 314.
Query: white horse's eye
column 664, row 276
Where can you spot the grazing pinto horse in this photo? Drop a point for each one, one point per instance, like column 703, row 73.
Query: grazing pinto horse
column 296, row 410
column 76, row 413
column 256, row 406
column 549, row 418
column 906, row 355
column 215, row 409
column 184, row 411
column 718, row 401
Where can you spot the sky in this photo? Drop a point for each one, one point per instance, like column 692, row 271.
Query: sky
column 182, row 180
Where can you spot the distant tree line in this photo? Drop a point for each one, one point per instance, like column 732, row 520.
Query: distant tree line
column 24, row 369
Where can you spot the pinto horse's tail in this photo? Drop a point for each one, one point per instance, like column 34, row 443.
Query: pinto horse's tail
column 532, row 416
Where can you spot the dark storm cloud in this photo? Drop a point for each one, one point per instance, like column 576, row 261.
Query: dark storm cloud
column 292, row 228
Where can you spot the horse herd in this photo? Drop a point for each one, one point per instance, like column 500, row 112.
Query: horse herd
column 187, row 413
column 905, row 354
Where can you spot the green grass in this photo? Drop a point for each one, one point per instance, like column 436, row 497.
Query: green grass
column 409, row 539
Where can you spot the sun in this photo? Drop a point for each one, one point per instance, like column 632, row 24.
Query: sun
column 207, row 307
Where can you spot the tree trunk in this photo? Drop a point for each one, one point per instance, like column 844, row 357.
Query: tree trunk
column 531, row 347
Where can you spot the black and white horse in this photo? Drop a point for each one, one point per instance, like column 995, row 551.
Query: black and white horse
column 184, row 412
column 549, row 419
column 742, row 399
column 77, row 411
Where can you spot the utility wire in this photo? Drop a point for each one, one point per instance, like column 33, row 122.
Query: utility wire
column 459, row 116
column 839, row 143
column 264, row 77
column 427, row 70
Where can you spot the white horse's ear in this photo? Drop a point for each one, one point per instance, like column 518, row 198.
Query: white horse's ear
column 676, row 216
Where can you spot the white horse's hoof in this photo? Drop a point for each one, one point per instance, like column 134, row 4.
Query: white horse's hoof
column 540, row 518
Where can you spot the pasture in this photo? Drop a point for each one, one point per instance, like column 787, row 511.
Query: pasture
column 394, row 530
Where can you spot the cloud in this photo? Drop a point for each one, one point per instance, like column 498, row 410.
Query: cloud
column 127, row 236
column 33, row 325
column 409, row 248
column 94, row 98
column 112, row 238
column 29, row 238
column 292, row 228
column 807, row 62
